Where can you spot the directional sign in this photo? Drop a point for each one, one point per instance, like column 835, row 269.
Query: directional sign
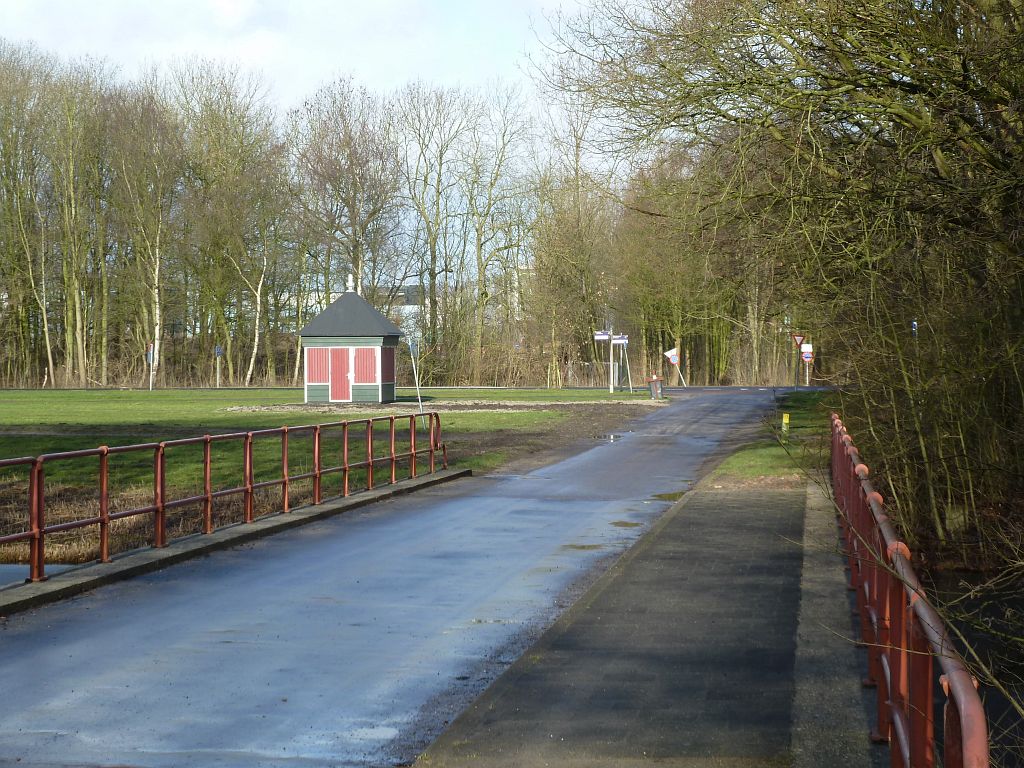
column 623, row 339
column 798, row 339
column 807, row 356
column 601, row 335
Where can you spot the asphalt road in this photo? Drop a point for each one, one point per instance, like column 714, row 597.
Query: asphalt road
column 347, row 642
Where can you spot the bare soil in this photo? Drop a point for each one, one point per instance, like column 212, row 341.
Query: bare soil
column 522, row 449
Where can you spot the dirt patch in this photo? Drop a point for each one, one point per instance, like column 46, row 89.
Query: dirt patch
column 765, row 482
column 551, row 441
column 520, row 450
column 463, row 405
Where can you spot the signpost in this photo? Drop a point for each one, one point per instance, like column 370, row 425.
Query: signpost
column 218, row 352
column 673, row 358
column 807, row 354
column 615, row 340
column 798, row 340
column 622, row 340
column 151, row 363
column 607, row 336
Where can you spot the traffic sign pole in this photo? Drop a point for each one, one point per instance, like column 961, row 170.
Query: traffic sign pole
column 807, row 353
column 798, row 340
column 611, row 347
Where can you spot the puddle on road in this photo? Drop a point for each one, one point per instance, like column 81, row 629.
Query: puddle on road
column 625, row 524
column 583, row 547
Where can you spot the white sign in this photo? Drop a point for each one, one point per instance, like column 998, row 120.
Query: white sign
column 673, row 356
column 601, row 335
column 808, row 347
column 623, row 339
column 807, row 356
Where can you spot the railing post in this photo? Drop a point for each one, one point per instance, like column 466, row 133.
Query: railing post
column 433, row 443
column 412, row 446
column 284, row 468
column 104, row 506
column 248, row 475
column 394, row 457
column 444, row 448
column 159, row 517
column 883, row 644
column 369, row 454
column 344, row 458
column 37, row 519
column 207, row 484
column 922, row 727
column 952, row 734
column 316, row 464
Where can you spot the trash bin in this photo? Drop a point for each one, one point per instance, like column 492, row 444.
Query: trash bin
column 654, row 384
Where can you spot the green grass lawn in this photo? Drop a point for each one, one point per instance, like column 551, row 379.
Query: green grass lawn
column 803, row 449
column 50, row 421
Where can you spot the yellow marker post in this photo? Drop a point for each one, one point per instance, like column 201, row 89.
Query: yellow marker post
column 785, row 425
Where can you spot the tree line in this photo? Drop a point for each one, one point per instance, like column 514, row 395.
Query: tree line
column 179, row 211
column 853, row 171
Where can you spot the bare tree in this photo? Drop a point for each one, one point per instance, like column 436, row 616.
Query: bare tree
column 434, row 121
column 346, row 159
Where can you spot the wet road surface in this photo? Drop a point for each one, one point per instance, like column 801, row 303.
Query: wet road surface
column 348, row 642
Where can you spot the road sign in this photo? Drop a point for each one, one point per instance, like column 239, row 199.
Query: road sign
column 601, row 335
column 149, row 354
column 623, row 339
column 673, row 356
column 807, row 347
column 218, row 351
column 798, row 339
column 807, row 356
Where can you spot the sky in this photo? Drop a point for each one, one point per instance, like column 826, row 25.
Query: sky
column 298, row 45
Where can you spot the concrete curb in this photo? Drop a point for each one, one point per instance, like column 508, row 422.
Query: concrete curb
column 74, row 581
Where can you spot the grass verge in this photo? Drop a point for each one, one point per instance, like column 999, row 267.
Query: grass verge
column 785, row 457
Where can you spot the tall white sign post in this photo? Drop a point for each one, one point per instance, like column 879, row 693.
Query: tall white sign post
column 152, row 364
column 607, row 336
column 622, row 340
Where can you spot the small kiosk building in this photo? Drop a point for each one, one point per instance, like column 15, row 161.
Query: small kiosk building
column 350, row 353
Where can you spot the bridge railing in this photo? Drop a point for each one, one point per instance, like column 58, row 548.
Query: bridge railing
column 349, row 448
column 903, row 633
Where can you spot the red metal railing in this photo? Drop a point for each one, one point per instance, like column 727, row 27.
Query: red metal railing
column 903, row 633
column 345, row 432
